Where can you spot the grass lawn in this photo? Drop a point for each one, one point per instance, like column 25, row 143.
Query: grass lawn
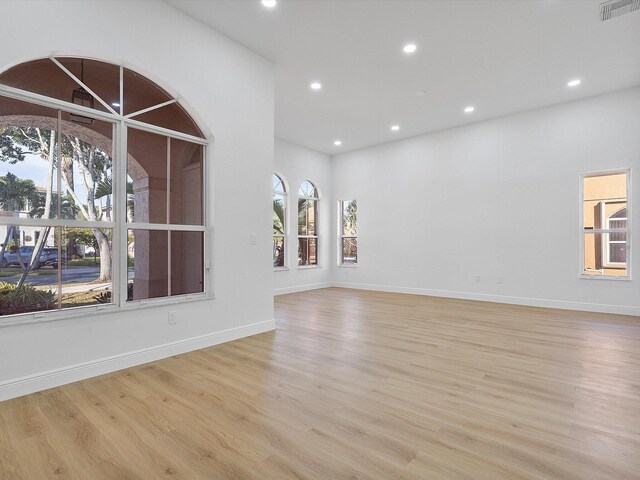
column 84, row 262
column 80, row 299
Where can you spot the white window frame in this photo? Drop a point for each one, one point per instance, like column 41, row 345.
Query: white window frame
column 317, row 235
column 119, row 225
column 285, row 235
column 341, row 235
column 606, row 231
column 607, row 243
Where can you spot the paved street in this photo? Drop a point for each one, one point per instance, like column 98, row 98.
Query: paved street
column 70, row 275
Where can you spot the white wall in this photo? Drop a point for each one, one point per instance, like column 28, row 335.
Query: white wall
column 496, row 198
column 295, row 164
column 232, row 92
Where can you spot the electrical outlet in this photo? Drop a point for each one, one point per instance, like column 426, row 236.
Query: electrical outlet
column 172, row 318
column 477, row 278
column 500, row 279
column 254, row 238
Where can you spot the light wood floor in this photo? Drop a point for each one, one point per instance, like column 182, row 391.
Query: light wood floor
column 355, row 385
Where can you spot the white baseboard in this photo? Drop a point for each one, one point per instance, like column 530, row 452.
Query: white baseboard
column 302, row 288
column 54, row 378
column 483, row 297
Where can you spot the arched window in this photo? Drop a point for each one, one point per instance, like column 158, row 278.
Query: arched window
column 279, row 221
column 308, row 198
column 101, row 188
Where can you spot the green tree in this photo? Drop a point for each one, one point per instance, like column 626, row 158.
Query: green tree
column 38, row 205
column 278, row 217
column 90, row 162
column 105, row 190
column 43, row 142
column 9, row 151
column 349, row 218
column 82, row 236
column 15, row 192
column 94, row 166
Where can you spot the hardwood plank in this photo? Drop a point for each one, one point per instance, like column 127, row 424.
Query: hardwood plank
column 356, row 385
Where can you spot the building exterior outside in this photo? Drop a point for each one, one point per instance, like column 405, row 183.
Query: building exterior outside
column 605, row 208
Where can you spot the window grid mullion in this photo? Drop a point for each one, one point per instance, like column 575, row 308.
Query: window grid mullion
column 120, row 243
column 58, row 231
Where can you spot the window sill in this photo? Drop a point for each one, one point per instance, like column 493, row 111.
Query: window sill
column 161, row 301
column 348, row 265
column 281, row 269
column 308, row 267
column 55, row 315
column 91, row 311
column 606, row 277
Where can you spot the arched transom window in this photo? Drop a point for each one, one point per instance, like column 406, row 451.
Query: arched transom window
column 101, row 189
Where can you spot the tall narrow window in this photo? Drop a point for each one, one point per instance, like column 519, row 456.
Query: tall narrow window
column 307, row 224
column 279, row 222
column 606, row 225
column 348, row 232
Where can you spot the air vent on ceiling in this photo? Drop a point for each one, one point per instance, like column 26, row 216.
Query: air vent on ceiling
column 615, row 8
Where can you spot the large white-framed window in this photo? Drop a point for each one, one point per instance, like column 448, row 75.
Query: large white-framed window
column 102, row 191
column 348, row 227
column 280, row 192
column 606, row 224
column 308, row 198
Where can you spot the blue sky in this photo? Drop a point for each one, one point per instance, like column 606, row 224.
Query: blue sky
column 33, row 167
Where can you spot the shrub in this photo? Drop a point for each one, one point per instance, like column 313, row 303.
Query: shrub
column 104, row 297
column 24, row 299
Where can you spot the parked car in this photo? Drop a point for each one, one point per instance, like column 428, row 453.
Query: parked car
column 12, row 259
column 48, row 257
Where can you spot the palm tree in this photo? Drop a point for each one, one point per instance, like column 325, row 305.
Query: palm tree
column 278, row 231
column 38, row 206
column 278, row 217
column 105, row 189
column 15, row 192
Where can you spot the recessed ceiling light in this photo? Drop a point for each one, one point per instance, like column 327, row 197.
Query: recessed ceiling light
column 115, row 104
column 409, row 48
column 574, row 83
column 337, row 143
column 421, row 93
column 269, row 3
column 469, row 109
column 395, row 128
column 316, row 86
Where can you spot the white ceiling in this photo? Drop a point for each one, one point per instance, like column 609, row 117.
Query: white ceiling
column 500, row 56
